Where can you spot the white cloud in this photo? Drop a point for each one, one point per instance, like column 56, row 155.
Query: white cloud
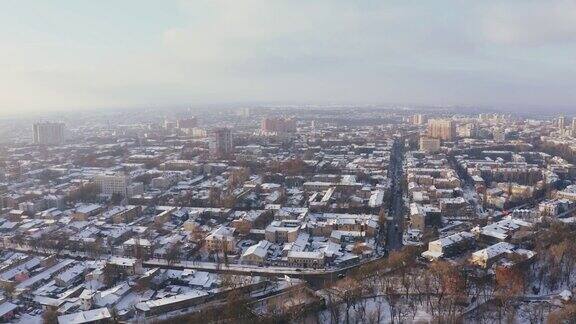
column 284, row 50
column 531, row 23
column 235, row 32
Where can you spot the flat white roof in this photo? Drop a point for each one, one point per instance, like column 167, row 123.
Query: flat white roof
column 85, row 317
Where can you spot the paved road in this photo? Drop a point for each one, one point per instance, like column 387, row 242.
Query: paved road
column 316, row 277
column 208, row 266
column 395, row 223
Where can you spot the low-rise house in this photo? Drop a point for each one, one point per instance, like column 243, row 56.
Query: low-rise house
column 282, row 231
column 48, row 302
column 486, row 257
column 452, row 206
column 70, row 276
column 110, row 297
column 127, row 265
column 44, row 276
column 245, row 220
column 7, row 311
column 138, row 248
column 84, row 212
column 346, row 236
column 99, row 315
column 449, row 246
column 256, row 254
column 376, row 199
column 122, row 214
column 424, row 216
column 168, row 304
column 569, row 193
column 306, row 259
column 221, row 239
column 501, row 230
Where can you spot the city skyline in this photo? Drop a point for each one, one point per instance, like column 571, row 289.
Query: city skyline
column 287, row 161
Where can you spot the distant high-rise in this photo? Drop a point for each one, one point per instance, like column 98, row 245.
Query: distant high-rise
column 561, row 123
column 187, row 123
column 468, row 130
column 444, row 129
column 429, row 145
column 418, row 119
column 499, row 135
column 112, row 184
column 48, row 133
column 169, row 124
column 245, row 112
column 221, row 144
column 278, row 125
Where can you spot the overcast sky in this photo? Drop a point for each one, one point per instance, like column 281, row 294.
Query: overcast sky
column 75, row 54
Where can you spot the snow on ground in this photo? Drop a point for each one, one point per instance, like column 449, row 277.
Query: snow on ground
column 367, row 310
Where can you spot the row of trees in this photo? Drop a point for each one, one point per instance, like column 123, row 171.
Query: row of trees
column 556, row 252
column 450, row 292
column 396, row 288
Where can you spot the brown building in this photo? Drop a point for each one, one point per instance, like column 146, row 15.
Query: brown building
column 444, row 129
column 278, row 125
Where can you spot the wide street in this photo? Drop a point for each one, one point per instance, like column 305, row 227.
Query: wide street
column 394, row 226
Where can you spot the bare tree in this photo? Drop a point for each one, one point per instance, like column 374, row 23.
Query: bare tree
column 173, row 253
column 566, row 314
column 50, row 316
column 333, row 305
column 510, row 284
column 449, row 289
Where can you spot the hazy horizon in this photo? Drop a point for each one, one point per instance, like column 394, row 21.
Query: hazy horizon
column 73, row 56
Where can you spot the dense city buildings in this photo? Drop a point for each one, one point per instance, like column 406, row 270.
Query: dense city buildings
column 160, row 217
column 290, row 162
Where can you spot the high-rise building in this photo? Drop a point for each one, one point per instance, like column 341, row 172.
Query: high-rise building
column 245, row 112
column 574, row 126
column 278, row 125
column 561, row 123
column 499, row 135
column 221, row 144
column 113, row 184
column 444, row 129
column 429, row 145
column 48, row 133
column 468, row 130
column 418, row 119
column 170, row 124
column 188, row 123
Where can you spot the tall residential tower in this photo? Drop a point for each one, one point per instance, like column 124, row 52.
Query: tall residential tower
column 48, row 133
column 221, row 142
